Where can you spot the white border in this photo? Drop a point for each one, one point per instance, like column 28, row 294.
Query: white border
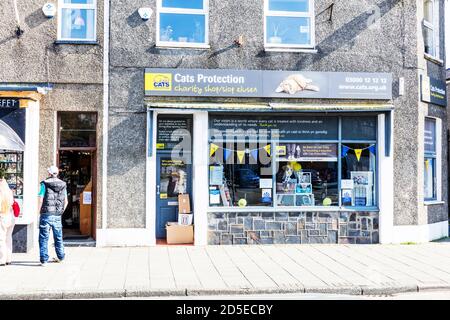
column 89, row 6
column 123, row 238
column 434, row 27
column 420, row 233
column 385, row 178
column 105, row 124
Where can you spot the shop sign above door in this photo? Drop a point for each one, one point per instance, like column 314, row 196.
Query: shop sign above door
column 9, row 103
column 433, row 91
column 267, row 84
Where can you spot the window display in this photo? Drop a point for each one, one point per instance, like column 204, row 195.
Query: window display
column 307, row 174
column 12, row 163
column 320, row 169
column 430, row 160
column 239, row 175
column 358, row 166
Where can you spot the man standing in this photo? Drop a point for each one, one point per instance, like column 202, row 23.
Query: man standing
column 52, row 203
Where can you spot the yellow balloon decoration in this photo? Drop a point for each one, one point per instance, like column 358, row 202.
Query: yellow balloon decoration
column 242, row 203
column 297, row 166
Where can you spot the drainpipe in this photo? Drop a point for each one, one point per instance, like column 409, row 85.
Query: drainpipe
column 106, row 10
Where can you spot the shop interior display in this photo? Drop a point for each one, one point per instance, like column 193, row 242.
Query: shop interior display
column 76, row 172
column 237, row 177
column 12, row 163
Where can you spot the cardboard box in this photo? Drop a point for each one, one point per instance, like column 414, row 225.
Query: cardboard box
column 185, row 219
column 184, row 205
column 179, row 234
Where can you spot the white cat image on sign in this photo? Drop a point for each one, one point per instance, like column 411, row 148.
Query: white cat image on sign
column 296, row 83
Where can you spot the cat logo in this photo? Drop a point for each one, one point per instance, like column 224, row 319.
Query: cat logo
column 158, row 82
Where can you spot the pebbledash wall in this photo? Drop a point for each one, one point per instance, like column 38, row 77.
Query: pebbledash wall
column 356, row 36
column 52, row 76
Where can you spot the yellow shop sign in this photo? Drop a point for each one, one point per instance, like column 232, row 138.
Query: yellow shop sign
column 158, row 82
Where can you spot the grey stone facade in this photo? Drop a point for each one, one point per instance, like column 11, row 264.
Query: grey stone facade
column 292, row 227
column 349, row 41
column 73, row 70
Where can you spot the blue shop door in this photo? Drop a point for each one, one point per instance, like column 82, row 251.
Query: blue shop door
column 168, row 187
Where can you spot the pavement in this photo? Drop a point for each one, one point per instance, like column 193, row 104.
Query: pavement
column 174, row 271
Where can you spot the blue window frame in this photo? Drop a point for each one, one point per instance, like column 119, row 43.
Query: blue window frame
column 77, row 20
column 182, row 23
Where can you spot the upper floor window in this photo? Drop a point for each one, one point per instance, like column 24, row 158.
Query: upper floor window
column 289, row 24
column 77, row 20
column 431, row 27
column 182, row 23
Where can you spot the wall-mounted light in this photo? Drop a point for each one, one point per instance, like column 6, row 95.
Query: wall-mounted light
column 145, row 13
column 49, row 10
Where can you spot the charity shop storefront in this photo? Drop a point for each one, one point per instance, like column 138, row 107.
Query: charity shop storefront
column 19, row 145
column 269, row 157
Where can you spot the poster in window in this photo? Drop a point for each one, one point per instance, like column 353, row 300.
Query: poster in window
column 266, row 196
column 304, row 177
column 362, row 188
column 214, row 196
column 215, row 175
column 303, row 188
column 347, row 195
column 305, row 200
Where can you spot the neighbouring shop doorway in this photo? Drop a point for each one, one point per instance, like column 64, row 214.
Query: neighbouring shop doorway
column 173, row 168
column 77, row 158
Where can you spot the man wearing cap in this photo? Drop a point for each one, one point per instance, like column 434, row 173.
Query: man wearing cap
column 52, row 203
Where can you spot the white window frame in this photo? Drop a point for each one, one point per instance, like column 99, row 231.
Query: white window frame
column 91, row 6
column 295, row 14
column 433, row 26
column 205, row 11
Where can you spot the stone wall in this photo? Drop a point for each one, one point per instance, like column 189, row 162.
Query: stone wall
column 292, row 227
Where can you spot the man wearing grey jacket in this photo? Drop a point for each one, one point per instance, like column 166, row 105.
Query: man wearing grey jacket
column 52, row 203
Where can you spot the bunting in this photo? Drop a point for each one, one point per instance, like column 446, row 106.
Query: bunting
column 358, row 153
column 267, row 148
column 240, row 154
column 227, row 152
column 212, row 149
column 254, row 154
column 372, row 148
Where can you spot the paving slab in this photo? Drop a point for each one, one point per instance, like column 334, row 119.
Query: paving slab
column 229, row 270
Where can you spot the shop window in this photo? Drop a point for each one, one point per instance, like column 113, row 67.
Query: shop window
column 307, row 174
column 77, row 130
column 11, row 162
column 182, row 23
column 430, row 160
column 431, row 27
column 320, row 168
column 77, row 20
column 289, row 24
column 358, row 174
column 240, row 175
column 359, row 128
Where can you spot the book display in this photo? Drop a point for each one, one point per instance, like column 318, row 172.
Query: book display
column 12, row 162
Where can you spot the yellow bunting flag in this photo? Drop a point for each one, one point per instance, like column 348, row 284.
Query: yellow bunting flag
column 240, row 155
column 267, row 148
column 213, row 149
column 427, row 163
column 358, row 154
